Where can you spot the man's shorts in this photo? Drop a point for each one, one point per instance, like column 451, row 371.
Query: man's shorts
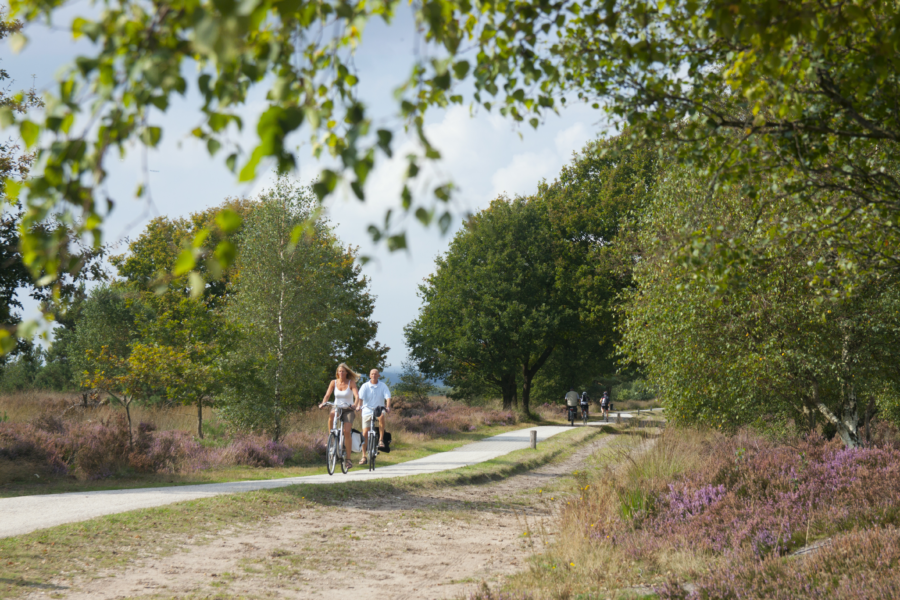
column 367, row 418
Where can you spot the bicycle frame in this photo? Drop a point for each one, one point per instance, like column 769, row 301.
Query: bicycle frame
column 372, row 438
column 336, row 450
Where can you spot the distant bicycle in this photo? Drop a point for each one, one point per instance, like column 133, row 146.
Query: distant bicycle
column 584, row 414
column 372, row 438
column 335, row 450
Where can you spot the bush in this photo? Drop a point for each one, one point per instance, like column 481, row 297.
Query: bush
column 860, row 565
column 639, row 389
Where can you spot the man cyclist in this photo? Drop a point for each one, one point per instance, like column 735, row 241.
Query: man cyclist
column 585, row 401
column 373, row 394
column 572, row 402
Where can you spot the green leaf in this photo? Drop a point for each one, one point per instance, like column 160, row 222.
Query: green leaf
column 17, row 42
column 198, row 285
column 406, row 197
column 445, row 221
column 11, row 188
column 7, row 117
column 29, row 132
column 384, row 141
column 424, row 216
column 228, row 220
column 186, row 262
column 461, row 69
column 396, row 242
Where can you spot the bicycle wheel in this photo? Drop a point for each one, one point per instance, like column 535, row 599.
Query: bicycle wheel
column 584, row 416
column 343, row 458
column 372, row 451
column 331, row 453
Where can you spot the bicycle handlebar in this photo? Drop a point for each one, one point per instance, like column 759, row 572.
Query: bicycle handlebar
column 336, row 406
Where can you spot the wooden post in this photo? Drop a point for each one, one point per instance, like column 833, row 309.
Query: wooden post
column 534, row 439
column 618, row 418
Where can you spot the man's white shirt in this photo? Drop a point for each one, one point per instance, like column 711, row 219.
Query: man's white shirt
column 373, row 396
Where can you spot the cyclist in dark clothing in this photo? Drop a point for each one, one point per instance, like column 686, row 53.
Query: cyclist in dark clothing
column 585, row 401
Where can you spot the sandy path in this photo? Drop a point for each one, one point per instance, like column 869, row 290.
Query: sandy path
column 427, row 545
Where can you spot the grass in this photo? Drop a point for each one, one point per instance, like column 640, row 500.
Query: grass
column 45, row 560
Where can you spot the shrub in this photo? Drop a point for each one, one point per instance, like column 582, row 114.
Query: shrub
column 256, row 453
column 859, row 565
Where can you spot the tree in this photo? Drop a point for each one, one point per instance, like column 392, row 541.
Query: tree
column 495, row 308
column 126, row 378
column 292, row 307
column 725, row 355
column 414, row 384
column 190, row 339
column 593, row 207
column 152, row 259
column 809, row 87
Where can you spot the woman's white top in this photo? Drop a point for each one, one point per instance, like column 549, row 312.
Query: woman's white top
column 343, row 399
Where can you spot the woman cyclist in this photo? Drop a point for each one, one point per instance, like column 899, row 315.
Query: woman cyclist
column 346, row 397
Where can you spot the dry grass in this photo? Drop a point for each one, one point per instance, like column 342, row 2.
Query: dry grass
column 620, row 478
column 25, row 407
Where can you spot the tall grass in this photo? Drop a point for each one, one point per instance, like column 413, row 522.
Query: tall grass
column 727, row 511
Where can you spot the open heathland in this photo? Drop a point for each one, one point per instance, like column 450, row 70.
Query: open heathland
column 701, row 514
column 51, row 444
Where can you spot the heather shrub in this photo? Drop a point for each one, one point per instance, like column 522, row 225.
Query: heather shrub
column 306, row 447
column 103, row 449
column 860, row 565
column 254, row 452
column 718, row 494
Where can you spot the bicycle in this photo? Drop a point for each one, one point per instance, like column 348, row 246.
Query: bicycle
column 373, row 438
column 336, row 449
column 573, row 412
column 584, row 414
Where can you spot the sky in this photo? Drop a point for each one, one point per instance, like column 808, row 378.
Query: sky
column 483, row 154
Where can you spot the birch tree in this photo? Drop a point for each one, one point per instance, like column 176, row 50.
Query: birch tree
column 290, row 308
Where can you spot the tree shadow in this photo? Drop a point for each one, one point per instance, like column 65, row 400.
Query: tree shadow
column 19, row 582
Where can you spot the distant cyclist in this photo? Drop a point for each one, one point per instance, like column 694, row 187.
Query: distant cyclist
column 585, row 402
column 604, row 405
column 572, row 402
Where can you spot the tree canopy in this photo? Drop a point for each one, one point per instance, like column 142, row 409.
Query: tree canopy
column 803, row 89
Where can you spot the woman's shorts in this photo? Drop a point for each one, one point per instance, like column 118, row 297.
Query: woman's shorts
column 347, row 416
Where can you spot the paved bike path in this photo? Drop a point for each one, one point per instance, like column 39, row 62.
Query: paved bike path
column 25, row 514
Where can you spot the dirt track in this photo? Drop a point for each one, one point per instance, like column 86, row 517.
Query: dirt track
column 427, row 545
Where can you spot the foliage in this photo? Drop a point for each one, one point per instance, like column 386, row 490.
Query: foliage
column 527, row 291
column 494, row 309
column 414, row 384
column 152, row 258
column 802, row 93
column 637, row 389
column 298, row 306
column 721, row 355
